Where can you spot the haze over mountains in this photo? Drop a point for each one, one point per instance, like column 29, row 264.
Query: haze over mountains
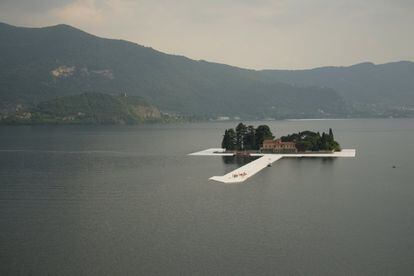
column 388, row 85
column 39, row 64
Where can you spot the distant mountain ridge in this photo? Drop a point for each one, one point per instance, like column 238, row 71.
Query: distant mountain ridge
column 391, row 83
column 39, row 64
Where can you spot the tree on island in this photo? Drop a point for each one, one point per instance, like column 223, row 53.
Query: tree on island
column 241, row 131
column 313, row 141
column 262, row 133
column 249, row 139
column 229, row 140
column 245, row 137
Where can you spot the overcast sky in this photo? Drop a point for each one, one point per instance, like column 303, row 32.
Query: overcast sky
column 279, row 34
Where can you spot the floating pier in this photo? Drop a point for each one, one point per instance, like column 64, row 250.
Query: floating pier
column 243, row 173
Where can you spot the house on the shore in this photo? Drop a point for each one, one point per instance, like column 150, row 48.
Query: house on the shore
column 277, row 146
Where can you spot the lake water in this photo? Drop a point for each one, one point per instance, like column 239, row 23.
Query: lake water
column 121, row 200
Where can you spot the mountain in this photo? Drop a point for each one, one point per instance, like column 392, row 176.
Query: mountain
column 388, row 85
column 39, row 64
column 89, row 108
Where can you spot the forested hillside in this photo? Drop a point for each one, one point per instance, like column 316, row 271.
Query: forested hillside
column 38, row 64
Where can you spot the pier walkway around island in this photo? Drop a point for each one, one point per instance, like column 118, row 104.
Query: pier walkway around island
column 250, row 169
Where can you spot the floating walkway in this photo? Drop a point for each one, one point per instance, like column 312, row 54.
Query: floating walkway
column 243, row 173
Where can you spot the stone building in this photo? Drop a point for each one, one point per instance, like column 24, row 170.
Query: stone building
column 277, row 146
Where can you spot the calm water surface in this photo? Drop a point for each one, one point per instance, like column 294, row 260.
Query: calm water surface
column 129, row 201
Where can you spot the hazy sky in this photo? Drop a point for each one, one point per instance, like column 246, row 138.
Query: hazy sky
column 285, row 34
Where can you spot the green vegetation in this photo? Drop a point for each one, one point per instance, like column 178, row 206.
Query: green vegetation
column 313, row 141
column 89, row 108
column 245, row 137
column 40, row 64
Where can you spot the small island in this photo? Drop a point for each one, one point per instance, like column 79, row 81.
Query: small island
column 247, row 139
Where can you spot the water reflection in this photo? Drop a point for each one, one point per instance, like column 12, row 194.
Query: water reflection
column 328, row 159
column 243, row 160
column 239, row 160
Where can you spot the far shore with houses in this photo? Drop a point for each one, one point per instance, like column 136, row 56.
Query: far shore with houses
column 244, row 140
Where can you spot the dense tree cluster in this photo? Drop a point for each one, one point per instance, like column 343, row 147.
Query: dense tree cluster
column 250, row 138
column 245, row 137
column 313, row 141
